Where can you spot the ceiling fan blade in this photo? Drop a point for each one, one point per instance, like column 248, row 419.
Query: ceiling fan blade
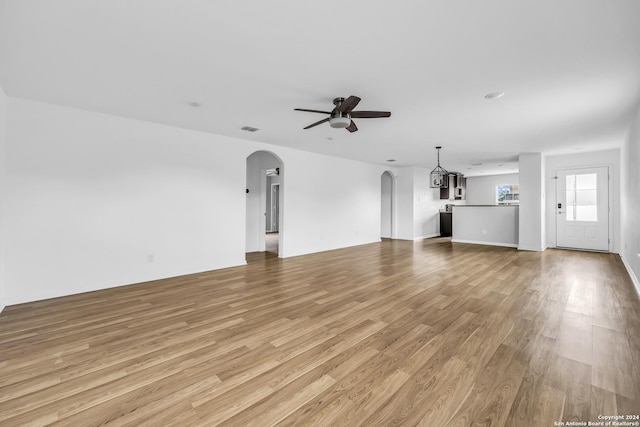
column 348, row 104
column 369, row 114
column 318, row 123
column 312, row 111
column 352, row 127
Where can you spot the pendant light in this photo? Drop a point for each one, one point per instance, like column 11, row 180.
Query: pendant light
column 439, row 176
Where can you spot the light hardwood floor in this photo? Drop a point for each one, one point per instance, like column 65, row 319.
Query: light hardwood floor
column 396, row 333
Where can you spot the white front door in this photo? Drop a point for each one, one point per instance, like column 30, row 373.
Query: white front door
column 582, row 208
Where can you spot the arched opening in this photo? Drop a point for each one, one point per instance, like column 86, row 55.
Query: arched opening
column 264, row 220
column 387, row 201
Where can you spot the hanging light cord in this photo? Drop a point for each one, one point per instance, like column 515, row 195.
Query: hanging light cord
column 439, row 167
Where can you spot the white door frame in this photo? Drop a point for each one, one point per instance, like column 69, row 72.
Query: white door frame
column 273, row 207
column 255, row 220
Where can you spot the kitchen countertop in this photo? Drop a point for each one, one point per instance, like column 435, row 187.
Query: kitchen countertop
column 485, row 206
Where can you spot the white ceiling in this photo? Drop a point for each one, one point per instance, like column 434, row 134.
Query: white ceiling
column 570, row 70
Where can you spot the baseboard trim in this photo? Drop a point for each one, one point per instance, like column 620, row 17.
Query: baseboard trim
column 428, row 236
column 522, row 248
column 478, row 242
column 633, row 276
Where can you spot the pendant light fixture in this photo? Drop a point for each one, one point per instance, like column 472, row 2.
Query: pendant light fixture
column 439, row 175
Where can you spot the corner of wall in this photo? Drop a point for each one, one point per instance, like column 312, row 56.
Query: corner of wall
column 3, row 134
column 532, row 208
column 632, row 274
column 629, row 246
column 543, row 205
column 426, row 205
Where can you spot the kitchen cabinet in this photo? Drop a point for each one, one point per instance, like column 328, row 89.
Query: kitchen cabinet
column 457, row 189
column 461, row 188
column 446, row 224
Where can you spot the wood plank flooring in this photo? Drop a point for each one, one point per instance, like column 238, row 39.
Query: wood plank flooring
column 397, row 333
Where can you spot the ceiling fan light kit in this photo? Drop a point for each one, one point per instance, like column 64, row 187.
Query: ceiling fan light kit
column 439, row 177
column 340, row 122
column 341, row 116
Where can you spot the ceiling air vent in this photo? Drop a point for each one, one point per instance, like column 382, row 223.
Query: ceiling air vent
column 249, row 128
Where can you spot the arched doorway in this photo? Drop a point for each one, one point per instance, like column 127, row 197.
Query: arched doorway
column 387, row 201
column 264, row 214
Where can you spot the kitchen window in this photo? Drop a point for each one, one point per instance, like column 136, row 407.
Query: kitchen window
column 508, row 194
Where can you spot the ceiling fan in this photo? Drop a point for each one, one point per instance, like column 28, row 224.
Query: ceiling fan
column 341, row 115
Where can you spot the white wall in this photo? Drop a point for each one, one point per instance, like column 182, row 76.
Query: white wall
column 328, row 203
column 630, row 202
column 426, row 207
column 610, row 158
column 532, row 202
column 95, row 201
column 481, row 190
column 386, row 205
column 488, row 225
column 405, row 195
column 417, row 205
column 254, row 205
column 3, row 131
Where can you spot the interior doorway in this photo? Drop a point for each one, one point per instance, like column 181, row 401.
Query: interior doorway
column 272, row 224
column 582, row 220
column 274, row 207
column 386, row 205
column 264, row 195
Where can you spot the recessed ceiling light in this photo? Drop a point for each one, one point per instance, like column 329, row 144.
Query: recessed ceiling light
column 476, row 164
column 494, row 95
column 500, row 164
column 391, row 160
column 329, row 138
column 195, row 104
column 249, row 128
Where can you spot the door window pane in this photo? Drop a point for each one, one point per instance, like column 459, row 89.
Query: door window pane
column 586, row 197
column 582, row 197
column 586, row 181
column 570, row 199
